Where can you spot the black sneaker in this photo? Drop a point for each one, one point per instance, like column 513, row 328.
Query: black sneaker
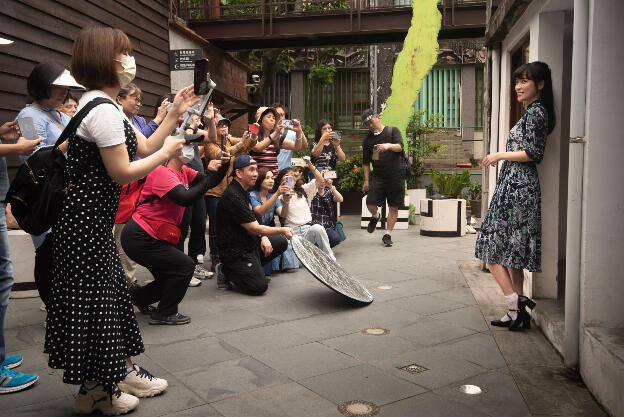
column 387, row 240
column 176, row 318
column 372, row 223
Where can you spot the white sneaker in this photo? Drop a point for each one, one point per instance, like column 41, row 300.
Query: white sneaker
column 470, row 229
column 110, row 404
column 141, row 383
column 194, row 282
column 200, row 258
column 202, row 273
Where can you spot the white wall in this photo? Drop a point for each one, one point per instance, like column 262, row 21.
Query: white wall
column 180, row 79
column 602, row 276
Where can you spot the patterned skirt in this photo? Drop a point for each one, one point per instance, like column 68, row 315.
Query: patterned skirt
column 511, row 234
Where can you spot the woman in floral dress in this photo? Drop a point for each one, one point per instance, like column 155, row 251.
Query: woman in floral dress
column 510, row 237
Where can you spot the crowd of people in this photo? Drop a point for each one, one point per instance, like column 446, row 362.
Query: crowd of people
column 254, row 197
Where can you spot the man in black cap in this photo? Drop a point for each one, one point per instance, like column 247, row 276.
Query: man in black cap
column 383, row 146
column 244, row 244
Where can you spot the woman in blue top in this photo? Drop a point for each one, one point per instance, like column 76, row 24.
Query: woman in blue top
column 48, row 84
column 130, row 98
column 266, row 205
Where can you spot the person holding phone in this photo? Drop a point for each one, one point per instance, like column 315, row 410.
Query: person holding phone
column 270, row 139
column 234, row 146
column 299, row 216
column 290, row 135
column 244, row 244
column 48, row 84
column 325, row 151
column 266, row 204
column 90, row 309
column 12, row 381
column 168, row 190
column 383, row 147
column 130, row 98
column 510, row 237
column 323, row 208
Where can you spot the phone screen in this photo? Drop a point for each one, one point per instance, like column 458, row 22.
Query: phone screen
column 200, row 77
column 223, row 142
column 27, row 128
column 254, row 129
column 288, row 181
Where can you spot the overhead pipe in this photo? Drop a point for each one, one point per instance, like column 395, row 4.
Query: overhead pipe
column 575, row 184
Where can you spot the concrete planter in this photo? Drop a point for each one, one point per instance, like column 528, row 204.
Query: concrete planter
column 402, row 221
column 443, row 218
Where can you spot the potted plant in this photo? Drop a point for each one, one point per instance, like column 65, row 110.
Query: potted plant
column 450, row 185
column 474, row 189
column 350, row 181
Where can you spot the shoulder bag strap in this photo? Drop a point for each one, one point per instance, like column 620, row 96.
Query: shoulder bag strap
column 77, row 119
column 47, row 113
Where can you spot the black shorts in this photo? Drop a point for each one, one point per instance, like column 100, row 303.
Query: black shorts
column 380, row 190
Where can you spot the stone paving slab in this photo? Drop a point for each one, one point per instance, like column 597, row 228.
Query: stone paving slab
column 299, row 349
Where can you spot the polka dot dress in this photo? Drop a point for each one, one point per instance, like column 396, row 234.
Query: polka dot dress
column 91, row 327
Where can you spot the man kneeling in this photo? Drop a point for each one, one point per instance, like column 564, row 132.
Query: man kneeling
column 244, row 244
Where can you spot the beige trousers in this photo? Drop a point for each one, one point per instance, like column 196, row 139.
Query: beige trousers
column 129, row 266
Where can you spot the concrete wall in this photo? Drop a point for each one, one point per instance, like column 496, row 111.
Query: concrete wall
column 602, row 286
column 549, row 42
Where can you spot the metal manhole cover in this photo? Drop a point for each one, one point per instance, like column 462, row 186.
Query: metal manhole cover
column 413, row 368
column 358, row 408
column 375, row 331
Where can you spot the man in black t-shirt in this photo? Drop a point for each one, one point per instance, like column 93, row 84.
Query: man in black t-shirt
column 383, row 146
column 245, row 245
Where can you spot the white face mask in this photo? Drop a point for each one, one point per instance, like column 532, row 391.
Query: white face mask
column 188, row 153
column 129, row 70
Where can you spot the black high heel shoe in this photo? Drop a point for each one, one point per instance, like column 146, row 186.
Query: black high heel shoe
column 522, row 321
column 524, row 301
column 501, row 323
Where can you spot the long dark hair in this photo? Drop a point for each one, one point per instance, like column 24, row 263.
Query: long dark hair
column 318, row 129
column 41, row 78
column 538, row 71
column 297, row 186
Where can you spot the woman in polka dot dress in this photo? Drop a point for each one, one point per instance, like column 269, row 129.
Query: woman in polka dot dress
column 91, row 329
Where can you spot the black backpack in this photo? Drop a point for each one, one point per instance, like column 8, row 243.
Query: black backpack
column 36, row 194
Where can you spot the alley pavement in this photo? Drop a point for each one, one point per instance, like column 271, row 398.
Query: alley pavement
column 302, row 350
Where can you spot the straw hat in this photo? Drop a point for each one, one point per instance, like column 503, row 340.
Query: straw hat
column 262, row 111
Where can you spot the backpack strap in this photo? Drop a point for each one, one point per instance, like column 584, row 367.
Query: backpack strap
column 77, row 119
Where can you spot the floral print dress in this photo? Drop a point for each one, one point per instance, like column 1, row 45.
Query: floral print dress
column 511, row 233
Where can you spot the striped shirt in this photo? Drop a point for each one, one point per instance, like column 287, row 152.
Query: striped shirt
column 267, row 157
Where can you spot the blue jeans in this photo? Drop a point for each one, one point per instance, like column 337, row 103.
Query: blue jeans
column 211, row 210
column 6, row 276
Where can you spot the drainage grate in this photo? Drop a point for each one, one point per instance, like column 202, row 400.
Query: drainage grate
column 358, row 408
column 375, row 331
column 413, row 368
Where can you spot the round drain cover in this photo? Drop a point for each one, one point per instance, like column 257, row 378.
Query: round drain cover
column 470, row 389
column 375, row 331
column 358, row 408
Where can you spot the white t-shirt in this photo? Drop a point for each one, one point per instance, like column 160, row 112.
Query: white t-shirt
column 104, row 124
column 299, row 207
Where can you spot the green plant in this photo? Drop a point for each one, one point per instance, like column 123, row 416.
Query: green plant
column 450, row 184
column 430, row 189
column 350, row 175
column 474, row 189
column 418, row 146
column 322, row 74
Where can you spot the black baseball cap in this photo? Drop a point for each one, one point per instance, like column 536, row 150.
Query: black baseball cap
column 242, row 161
column 367, row 115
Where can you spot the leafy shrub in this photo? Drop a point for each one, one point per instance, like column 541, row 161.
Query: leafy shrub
column 450, row 184
column 350, row 175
